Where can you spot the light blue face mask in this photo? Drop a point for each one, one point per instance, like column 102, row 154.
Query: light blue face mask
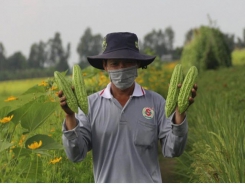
column 123, row 78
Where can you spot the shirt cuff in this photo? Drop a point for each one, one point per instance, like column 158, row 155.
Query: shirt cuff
column 179, row 129
column 70, row 134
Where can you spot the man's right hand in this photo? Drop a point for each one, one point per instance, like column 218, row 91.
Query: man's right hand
column 63, row 103
column 70, row 115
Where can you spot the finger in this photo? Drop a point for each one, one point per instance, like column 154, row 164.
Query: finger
column 63, row 104
column 195, row 86
column 60, row 93
column 191, row 100
column 62, row 99
column 193, row 93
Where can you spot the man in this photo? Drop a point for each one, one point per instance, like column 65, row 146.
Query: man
column 125, row 121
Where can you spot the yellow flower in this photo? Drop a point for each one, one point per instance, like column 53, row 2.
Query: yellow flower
column 54, row 88
column 56, row 160
column 22, row 139
column 6, row 119
column 35, row 145
column 51, row 99
column 52, row 130
column 11, row 98
column 43, row 83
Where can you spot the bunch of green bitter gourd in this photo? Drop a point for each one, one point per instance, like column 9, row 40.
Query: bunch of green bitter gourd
column 75, row 99
column 180, row 96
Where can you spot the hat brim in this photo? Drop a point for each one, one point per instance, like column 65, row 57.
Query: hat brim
column 96, row 61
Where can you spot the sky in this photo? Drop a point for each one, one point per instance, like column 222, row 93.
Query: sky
column 24, row 22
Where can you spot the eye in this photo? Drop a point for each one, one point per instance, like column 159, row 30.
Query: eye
column 114, row 63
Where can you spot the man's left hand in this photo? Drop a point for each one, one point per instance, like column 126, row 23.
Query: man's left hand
column 178, row 119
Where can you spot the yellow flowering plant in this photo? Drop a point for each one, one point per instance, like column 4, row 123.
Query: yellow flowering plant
column 35, row 145
column 6, row 119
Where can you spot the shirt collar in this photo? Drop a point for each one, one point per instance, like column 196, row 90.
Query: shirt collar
column 106, row 93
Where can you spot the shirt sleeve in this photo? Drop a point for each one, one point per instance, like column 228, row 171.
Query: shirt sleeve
column 77, row 142
column 173, row 137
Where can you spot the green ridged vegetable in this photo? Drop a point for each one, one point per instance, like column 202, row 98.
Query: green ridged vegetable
column 185, row 90
column 80, row 89
column 64, row 85
column 173, row 91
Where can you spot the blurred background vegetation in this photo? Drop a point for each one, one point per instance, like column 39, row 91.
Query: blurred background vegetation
column 207, row 42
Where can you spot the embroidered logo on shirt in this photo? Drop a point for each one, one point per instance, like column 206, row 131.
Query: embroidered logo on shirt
column 148, row 112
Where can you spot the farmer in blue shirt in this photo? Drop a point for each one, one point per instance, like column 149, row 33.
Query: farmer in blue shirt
column 124, row 121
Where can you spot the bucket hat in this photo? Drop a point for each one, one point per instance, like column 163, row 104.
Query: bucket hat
column 120, row 45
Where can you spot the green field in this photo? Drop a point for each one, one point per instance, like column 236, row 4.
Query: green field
column 215, row 150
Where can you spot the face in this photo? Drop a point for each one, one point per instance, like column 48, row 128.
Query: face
column 114, row 64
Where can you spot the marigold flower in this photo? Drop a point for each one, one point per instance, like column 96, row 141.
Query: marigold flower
column 35, row 145
column 56, row 160
column 6, row 119
column 43, row 83
column 11, row 98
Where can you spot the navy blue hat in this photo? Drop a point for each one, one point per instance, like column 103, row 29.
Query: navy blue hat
column 121, row 45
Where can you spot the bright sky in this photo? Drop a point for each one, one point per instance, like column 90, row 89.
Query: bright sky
column 24, row 22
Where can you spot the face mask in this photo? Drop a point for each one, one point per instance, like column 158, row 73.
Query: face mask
column 123, row 78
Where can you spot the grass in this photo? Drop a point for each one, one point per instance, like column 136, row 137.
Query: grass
column 216, row 148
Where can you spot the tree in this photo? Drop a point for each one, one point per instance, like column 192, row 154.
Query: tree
column 2, row 57
column 169, row 39
column 37, row 56
column 189, row 36
column 89, row 45
column 57, row 56
column 155, row 41
column 230, row 41
column 207, row 50
column 16, row 62
column 161, row 42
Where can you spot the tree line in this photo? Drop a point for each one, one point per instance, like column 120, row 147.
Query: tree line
column 46, row 57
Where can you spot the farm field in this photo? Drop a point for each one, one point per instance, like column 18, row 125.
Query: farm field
column 215, row 149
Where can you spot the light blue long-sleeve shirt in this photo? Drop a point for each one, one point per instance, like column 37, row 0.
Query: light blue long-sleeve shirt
column 124, row 140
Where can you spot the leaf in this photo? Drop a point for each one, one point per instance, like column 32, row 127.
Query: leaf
column 21, row 111
column 4, row 145
column 37, row 115
column 48, row 143
column 20, row 152
column 4, row 111
column 35, row 89
column 31, row 168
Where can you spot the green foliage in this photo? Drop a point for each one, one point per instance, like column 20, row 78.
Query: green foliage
column 207, row 50
column 26, row 73
column 31, row 149
column 215, row 150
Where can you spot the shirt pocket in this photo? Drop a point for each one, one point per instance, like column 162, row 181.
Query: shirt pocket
column 145, row 134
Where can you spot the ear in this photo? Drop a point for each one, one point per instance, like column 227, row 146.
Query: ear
column 105, row 65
